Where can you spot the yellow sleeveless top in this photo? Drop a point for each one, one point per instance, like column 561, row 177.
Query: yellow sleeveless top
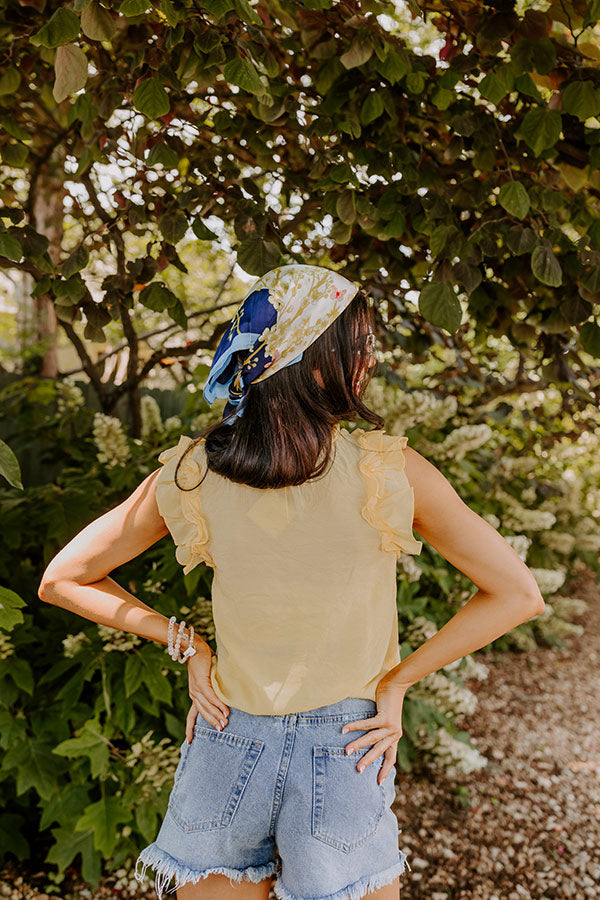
column 304, row 586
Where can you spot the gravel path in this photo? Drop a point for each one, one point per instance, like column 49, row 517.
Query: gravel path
column 526, row 826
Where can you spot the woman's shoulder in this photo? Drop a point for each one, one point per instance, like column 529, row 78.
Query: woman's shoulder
column 376, row 440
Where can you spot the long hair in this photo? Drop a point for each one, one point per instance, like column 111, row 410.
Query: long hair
column 284, row 435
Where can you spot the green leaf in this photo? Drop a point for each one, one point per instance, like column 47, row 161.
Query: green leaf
column 66, row 803
column 10, row 247
column 177, row 313
column 247, row 13
column 589, row 335
column 151, row 99
column 162, row 154
column 394, row 67
column 540, row 128
column 218, row 7
column 36, row 767
column 440, row 237
column 497, row 84
column 131, row 8
column 68, row 845
column 134, row 669
column 97, row 22
column 103, row 818
column 61, row 28
column 77, row 261
column 145, row 819
column 9, row 81
column 513, row 197
column 10, row 603
column 256, row 256
column 442, row 98
column 545, row 265
column 21, row 674
column 439, row 305
column 345, row 207
column 173, row 226
column 359, row 52
column 396, row 226
column 157, row 296
column 202, row 232
column 371, row 108
column 11, row 838
column 70, row 67
column 90, row 743
column 415, row 82
column 581, row 99
column 14, row 154
column 241, row 72
column 341, row 232
column 170, row 12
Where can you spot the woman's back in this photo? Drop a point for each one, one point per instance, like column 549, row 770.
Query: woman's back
column 304, row 588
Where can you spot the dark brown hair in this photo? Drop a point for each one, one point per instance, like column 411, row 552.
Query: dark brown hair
column 288, row 418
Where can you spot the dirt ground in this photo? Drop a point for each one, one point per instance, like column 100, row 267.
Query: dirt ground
column 530, row 826
column 527, row 825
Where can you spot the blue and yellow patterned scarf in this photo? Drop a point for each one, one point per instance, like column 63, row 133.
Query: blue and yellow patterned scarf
column 286, row 310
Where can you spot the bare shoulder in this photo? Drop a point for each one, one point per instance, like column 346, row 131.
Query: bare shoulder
column 446, row 522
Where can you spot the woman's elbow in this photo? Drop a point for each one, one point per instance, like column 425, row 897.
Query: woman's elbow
column 47, row 589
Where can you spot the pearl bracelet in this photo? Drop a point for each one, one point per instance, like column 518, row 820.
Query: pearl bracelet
column 173, row 649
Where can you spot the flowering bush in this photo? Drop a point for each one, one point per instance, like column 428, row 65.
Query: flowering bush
column 104, row 711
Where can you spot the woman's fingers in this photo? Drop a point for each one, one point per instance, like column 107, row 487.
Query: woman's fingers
column 374, row 753
column 209, row 692
column 190, row 722
column 375, row 734
column 362, row 723
column 210, row 712
column 389, row 761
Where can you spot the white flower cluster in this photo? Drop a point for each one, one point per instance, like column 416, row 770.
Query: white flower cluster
column 204, row 419
column 559, row 541
column 73, row 643
column 590, row 542
column 151, row 417
column 444, row 694
column 6, row 646
column 408, row 567
column 520, row 544
column 509, row 466
column 203, row 616
column 569, row 606
column 113, row 639
column 158, row 764
column 458, row 443
column 551, row 625
column 403, row 410
column 68, row 397
column 110, row 440
column 420, row 630
column 548, row 580
column 492, row 519
column 517, row 518
column 173, row 423
column 521, row 638
column 456, row 757
column 472, row 668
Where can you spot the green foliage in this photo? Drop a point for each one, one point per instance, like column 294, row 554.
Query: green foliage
column 386, row 163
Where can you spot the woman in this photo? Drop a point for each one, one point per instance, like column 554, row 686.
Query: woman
column 288, row 763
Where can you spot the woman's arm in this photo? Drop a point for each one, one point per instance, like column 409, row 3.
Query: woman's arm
column 78, row 577
column 508, row 593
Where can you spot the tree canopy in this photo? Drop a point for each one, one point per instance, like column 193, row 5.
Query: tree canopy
column 314, row 132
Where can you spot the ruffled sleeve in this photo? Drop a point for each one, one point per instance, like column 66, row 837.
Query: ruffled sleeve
column 390, row 497
column 181, row 508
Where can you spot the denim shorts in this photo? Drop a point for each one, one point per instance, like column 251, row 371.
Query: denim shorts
column 279, row 795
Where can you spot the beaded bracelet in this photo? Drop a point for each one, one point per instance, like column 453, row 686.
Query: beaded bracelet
column 173, row 649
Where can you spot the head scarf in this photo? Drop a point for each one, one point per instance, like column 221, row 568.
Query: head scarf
column 286, row 310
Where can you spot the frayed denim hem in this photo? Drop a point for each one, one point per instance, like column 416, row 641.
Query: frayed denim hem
column 167, row 867
column 352, row 891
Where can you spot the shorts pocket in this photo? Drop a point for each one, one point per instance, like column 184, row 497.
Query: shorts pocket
column 347, row 805
column 211, row 778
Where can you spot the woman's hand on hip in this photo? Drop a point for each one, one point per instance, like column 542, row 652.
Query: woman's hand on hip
column 202, row 694
column 384, row 729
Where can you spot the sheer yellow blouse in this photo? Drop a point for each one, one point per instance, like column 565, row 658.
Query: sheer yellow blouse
column 304, row 585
